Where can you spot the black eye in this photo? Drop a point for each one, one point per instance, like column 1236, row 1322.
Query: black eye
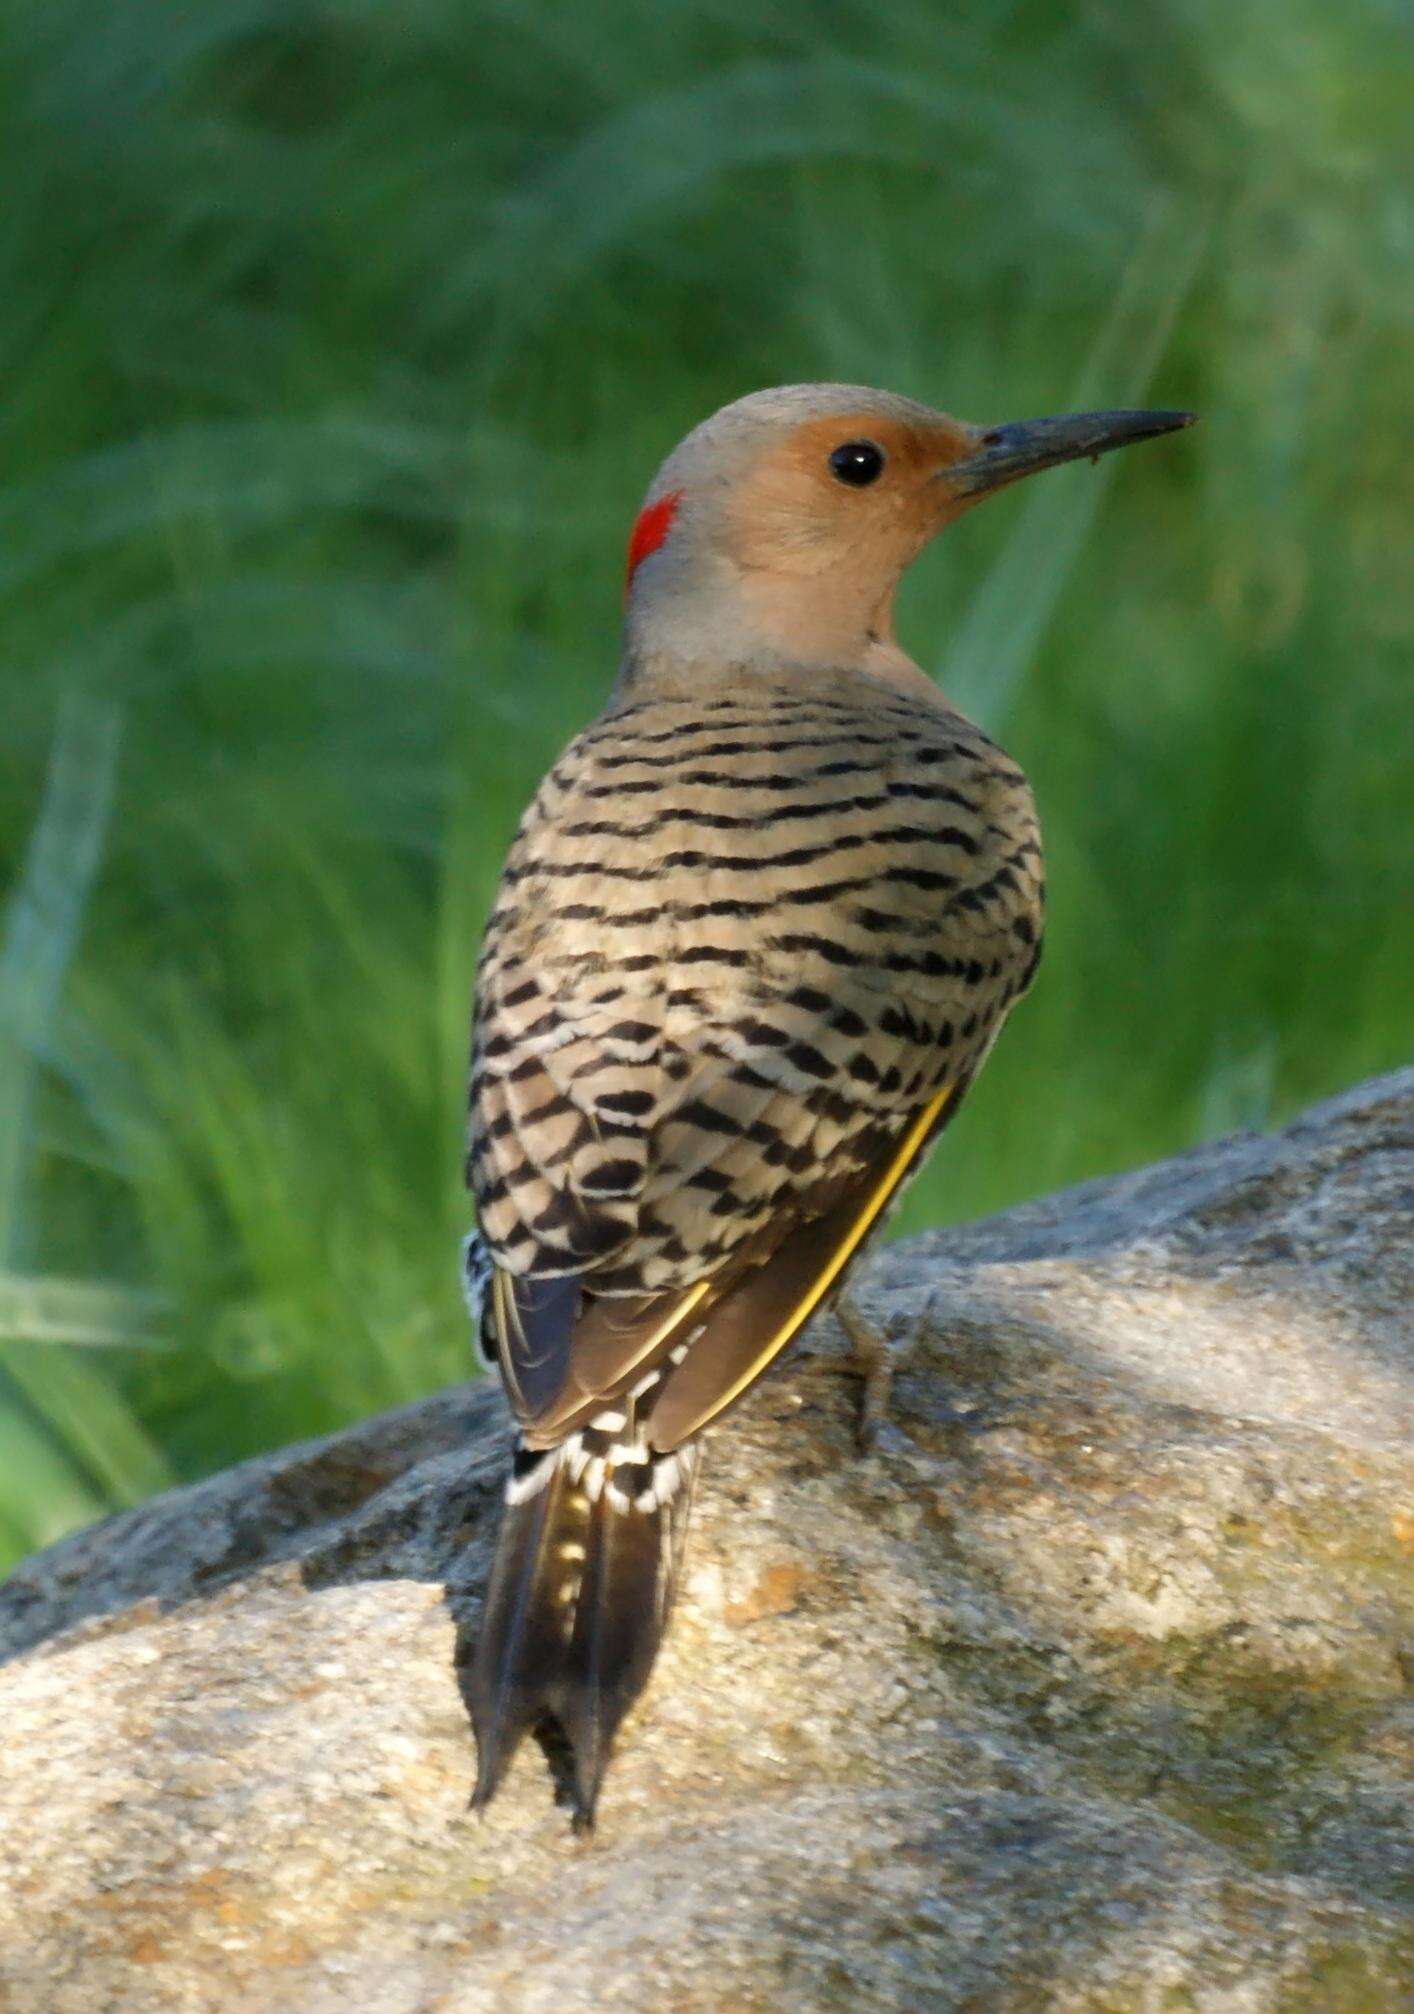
column 858, row 463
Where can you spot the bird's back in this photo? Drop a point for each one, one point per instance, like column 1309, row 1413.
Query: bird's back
column 735, row 939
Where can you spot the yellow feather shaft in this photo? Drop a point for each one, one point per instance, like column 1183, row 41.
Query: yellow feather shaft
column 875, row 1201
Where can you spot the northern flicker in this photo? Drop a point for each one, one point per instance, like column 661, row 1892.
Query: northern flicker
column 756, row 933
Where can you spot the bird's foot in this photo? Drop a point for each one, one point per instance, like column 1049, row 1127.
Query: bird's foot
column 878, row 1351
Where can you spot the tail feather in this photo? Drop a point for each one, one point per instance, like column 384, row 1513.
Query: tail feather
column 523, row 1626
column 578, row 1599
column 618, row 1622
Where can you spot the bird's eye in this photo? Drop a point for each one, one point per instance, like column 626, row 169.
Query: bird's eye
column 858, row 463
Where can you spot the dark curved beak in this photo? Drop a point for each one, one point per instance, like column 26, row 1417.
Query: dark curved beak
column 1004, row 454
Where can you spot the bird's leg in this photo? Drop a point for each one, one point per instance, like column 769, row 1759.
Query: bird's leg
column 877, row 1351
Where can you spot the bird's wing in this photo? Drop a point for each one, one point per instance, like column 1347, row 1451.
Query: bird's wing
column 571, row 1098
column 763, row 1307
column 650, row 1182
column 566, row 1352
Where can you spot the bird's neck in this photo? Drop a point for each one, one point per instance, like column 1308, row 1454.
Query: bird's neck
column 756, row 628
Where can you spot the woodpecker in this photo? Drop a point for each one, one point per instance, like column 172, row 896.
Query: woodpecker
column 756, row 933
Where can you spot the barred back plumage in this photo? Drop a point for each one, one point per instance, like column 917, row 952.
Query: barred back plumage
column 755, row 935
column 732, row 944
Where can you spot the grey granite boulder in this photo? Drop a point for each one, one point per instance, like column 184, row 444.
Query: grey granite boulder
column 1088, row 1690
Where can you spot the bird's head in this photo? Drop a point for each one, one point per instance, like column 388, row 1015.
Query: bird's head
column 776, row 532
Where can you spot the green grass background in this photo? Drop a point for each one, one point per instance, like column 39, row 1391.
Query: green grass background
column 337, row 344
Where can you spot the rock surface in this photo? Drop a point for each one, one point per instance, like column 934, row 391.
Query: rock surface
column 1087, row 1691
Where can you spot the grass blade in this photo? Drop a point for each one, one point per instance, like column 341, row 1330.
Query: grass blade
column 60, row 1420
column 42, row 927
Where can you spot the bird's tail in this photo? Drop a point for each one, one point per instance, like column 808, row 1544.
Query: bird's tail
column 581, row 1587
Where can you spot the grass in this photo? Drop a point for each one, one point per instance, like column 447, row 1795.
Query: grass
column 339, row 343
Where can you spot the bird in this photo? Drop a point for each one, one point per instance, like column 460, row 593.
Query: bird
column 755, row 935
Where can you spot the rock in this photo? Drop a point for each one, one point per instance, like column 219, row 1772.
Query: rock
column 1087, row 1691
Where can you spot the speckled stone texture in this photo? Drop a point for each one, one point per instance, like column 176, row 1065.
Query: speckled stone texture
column 1087, row 1691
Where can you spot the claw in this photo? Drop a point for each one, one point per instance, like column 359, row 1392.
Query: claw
column 876, row 1355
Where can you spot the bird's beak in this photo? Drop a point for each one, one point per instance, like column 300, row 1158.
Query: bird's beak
column 1001, row 455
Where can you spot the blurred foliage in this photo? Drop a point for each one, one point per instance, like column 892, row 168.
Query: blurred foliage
column 339, row 342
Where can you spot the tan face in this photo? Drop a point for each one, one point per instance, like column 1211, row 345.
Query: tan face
column 860, row 491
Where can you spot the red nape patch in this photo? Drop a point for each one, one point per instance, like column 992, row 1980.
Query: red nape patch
column 650, row 528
